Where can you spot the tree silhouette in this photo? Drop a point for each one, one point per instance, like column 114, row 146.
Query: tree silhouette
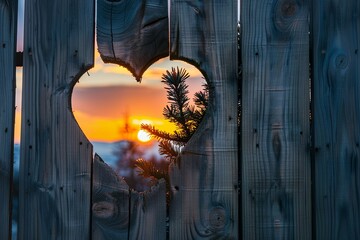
column 179, row 111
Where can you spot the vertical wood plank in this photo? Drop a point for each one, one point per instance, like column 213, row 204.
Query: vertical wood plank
column 121, row 213
column 204, row 184
column 276, row 171
column 8, row 24
column 336, row 34
column 148, row 213
column 110, row 203
column 133, row 34
column 55, row 167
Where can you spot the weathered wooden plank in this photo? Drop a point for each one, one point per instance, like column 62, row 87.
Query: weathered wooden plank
column 276, row 171
column 336, row 61
column 121, row 213
column 148, row 213
column 205, row 183
column 110, row 203
column 8, row 24
column 133, row 34
column 56, row 157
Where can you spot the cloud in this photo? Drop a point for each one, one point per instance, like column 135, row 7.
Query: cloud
column 98, row 129
column 154, row 72
column 116, row 101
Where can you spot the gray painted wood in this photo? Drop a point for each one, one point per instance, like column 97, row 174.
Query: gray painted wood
column 8, row 24
column 133, row 34
column 276, row 171
column 121, row 213
column 56, row 157
column 336, row 29
column 205, row 183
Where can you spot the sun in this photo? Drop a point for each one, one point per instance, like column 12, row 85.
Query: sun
column 143, row 136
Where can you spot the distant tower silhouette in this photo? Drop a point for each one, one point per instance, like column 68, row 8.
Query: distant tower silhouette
column 127, row 131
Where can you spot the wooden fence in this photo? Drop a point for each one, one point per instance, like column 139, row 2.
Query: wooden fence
column 288, row 168
column 8, row 24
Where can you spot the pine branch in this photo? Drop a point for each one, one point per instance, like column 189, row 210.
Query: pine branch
column 162, row 135
column 177, row 95
column 186, row 117
column 201, row 99
column 169, row 150
column 148, row 169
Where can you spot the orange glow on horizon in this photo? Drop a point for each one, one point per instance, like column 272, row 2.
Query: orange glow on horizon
column 112, row 130
column 17, row 128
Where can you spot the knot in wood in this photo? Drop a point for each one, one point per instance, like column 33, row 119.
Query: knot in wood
column 289, row 8
column 276, row 144
column 217, row 218
column 286, row 17
column 104, row 209
column 341, row 61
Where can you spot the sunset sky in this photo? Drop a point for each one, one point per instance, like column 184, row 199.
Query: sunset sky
column 109, row 96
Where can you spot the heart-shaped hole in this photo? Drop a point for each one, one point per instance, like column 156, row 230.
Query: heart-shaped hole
column 110, row 106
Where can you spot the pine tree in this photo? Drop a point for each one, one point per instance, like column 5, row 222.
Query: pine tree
column 179, row 111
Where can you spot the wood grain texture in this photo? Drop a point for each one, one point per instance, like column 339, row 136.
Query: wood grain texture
column 336, row 33
column 148, row 213
column 110, row 203
column 276, row 169
column 8, row 24
column 205, row 183
column 56, row 157
column 122, row 213
column 133, row 34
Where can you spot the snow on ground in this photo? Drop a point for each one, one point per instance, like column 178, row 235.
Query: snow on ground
column 105, row 150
